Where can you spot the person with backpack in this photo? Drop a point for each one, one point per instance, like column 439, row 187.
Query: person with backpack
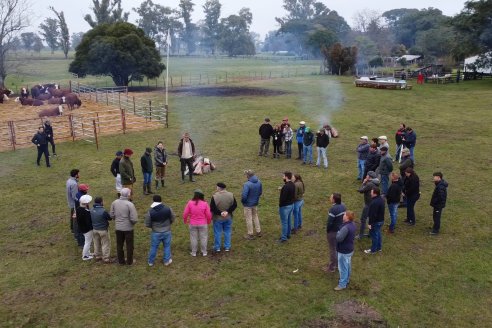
column 159, row 218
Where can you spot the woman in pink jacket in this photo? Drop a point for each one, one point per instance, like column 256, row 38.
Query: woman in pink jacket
column 197, row 214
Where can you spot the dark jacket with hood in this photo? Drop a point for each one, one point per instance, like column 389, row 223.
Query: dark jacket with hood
column 146, row 163
column 265, row 131
column 440, row 195
column 159, row 218
column 252, row 190
column 366, row 189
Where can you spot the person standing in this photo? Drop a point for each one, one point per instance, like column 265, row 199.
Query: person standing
column 71, row 189
column 48, row 129
column 393, row 199
column 345, row 249
column 399, row 136
column 222, row 205
column 78, row 235
column 100, row 223
column 385, row 168
column 286, row 205
column 322, row 141
column 438, row 201
column 298, row 203
column 265, row 131
column 373, row 159
column 334, row 222
column 410, row 140
column 412, row 194
column 299, row 138
column 277, row 141
column 370, row 182
column 147, row 169
column 198, row 216
column 160, row 160
column 40, row 139
column 376, row 221
column 284, row 123
column 186, row 153
column 406, row 161
column 288, row 135
column 308, row 141
column 383, row 142
column 125, row 217
column 127, row 172
column 85, row 225
column 115, row 171
column 159, row 218
column 362, row 153
column 250, row 198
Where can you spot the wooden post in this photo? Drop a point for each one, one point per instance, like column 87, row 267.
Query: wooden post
column 107, row 100
column 171, row 81
column 181, row 80
column 119, row 99
column 123, row 121
column 70, row 122
column 95, row 134
column 12, row 134
column 70, row 85
column 133, row 105
column 150, row 110
column 98, row 124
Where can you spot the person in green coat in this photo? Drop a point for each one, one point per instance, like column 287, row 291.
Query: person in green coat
column 126, row 170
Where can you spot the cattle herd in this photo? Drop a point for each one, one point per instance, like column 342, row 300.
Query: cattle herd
column 42, row 94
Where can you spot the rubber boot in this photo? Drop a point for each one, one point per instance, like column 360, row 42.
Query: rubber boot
column 145, row 189
column 149, row 191
column 162, row 183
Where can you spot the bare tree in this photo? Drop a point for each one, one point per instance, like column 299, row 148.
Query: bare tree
column 13, row 19
column 364, row 18
column 64, row 41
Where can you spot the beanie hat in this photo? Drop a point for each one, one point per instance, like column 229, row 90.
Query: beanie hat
column 86, row 199
column 84, row 187
column 148, row 150
column 128, row 152
column 221, row 185
column 119, row 153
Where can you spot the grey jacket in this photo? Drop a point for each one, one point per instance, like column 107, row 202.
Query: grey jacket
column 71, row 189
column 124, row 214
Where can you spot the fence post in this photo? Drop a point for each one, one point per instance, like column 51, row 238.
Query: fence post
column 12, row 134
column 167, row 115
column 95, row 134
column 123, row 120
column 134, row 105
column 119, row 99
column 98, row 124
column 70, row 85
column 78, row 88
column 171, row 81
column 150, row 110
column 107, row 101
column 70, row 122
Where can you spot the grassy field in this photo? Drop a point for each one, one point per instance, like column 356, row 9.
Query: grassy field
column 418, row 280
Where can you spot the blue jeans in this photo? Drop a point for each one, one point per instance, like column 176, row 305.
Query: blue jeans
column 411, row 208
column 308, row 154
column 375, row 233
column 219, row 227
column 361, row 165
column 298, row 213
column 147, row 178
column 393, row 211
column 411, row 153
column 155, row 240
column 384, row 183
column 285, row 212
column 345, row 268
column 288, row 149
column 322, row 154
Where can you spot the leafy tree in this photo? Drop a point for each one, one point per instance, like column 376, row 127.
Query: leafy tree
column 38, row 44
column 106, row 11
column 64, row 40
column 211, row 29
column 186, row 7
column 367, row 49
column 235, row 38
column 14, row 17
column 28, row 40
column 319, row 38
column 339, row 59
column 120, row 50
column 49, row 30
column 279, row 42
column 376, row 62
column 76, row 38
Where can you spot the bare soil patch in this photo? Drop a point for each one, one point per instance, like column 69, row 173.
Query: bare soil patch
column 226, row 91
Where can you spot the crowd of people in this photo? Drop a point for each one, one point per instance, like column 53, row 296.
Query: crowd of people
column 381, row 185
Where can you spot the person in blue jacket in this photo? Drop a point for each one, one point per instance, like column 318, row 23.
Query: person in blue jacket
column 250, row 198
column 299, row 137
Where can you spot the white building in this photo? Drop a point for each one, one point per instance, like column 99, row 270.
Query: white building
column 472, row 60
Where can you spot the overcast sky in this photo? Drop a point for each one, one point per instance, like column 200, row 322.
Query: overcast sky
column 264, row 11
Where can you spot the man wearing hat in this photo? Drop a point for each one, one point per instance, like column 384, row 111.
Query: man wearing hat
column 147, row 169
column 250, row 197
column 299, row 138
column 126, row 170
column 362, row 152
column 385, row 168
column 308, row 141
column 222, row 205
column 71, row 189
column 48, row 129
column 383, row 142
column 115, row 171
column 84, row 222
column 265, row 131
column 125, row 217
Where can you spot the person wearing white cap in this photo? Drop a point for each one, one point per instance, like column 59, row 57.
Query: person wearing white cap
column 85, row 225
column 125, row 217
column 299, row 136
column 383, row 142
column 362, row 152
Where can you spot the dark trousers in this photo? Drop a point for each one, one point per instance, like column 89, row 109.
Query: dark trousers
column 79, row 236
column 123, row 237
column 363, row 220
column 43, row 149
column 72, row 210
column 411, row 208
column 52, row 142
column 186, row 162
column 436, row 216
column 299, row 149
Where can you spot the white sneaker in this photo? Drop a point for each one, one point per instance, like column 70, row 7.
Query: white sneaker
column 168, row 262
column 204, row 254
column 193, row 254
column 87, row 258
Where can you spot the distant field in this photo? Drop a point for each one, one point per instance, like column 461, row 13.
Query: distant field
column 417, row 281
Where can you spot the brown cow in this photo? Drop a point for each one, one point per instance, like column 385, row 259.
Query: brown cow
column 72, row 100
column 59, row 92
column 55, row 101
column 29, row 102
column 55, row 111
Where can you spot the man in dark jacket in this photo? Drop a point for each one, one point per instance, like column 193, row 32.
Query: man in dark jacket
column 265, row 132
column 286, row 205
column 40, row 139
column 384, row 169
column 127, row 172
column 307, row 150
column 299, row 138
column 100, row 223
column 160, row 160
column 335, row 219
column 222, row 205
column 376, row 221
column 147, row 169
column 399, row 136
column 48, row 129
column 393, row 199
column 250, row 197
column 186, row 153
column 410, row 140
column 115, row 171
column 322, row 141
column 345, row 249
column 370, row 182
column 438, row 201
column 373, row 159
column 362, row 152
column 159, row 218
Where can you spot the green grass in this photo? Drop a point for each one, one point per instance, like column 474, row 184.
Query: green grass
column 418, row 280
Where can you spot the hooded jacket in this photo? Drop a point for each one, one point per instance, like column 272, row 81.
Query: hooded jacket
column 440, row 195
column 366, row 189
column 146, row 163
column 252, row 190
column 265, row 131
column 159, row 218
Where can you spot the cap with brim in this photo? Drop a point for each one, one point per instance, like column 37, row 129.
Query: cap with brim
column 302, row 122
column 86, row 199
column 383, row 138
column 128, row 151
column 221, row 185
column 83, row 187
column 405, row 151
column 119, row 153
column 198, row 191
column 364, row 137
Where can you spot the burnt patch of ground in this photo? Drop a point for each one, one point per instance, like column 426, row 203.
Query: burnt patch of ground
column 222, row 91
